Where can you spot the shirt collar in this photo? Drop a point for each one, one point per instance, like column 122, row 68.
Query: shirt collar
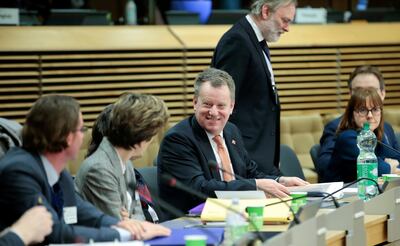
column 51, row 173
column 255, row 28
column 211, row 136
column 123, row 167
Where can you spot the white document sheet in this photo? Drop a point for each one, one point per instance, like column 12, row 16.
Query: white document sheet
column 243, row 194
column 320, row 187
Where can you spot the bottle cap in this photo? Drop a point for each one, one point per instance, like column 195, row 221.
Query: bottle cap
column 366, row 126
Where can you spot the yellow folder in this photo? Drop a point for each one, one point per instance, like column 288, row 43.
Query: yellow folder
column 216, row 209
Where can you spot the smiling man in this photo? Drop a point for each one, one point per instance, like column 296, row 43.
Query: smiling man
column 243, row 53
column 193, row 143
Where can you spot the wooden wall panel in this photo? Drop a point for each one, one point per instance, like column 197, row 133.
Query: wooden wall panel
column 97, row 64
column 97, row 79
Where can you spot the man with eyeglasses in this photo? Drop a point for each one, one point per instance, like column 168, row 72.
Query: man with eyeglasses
column 365, row 76
column 243, row 53
column 35, row 175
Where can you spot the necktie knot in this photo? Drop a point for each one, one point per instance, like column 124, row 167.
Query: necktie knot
column 218, row 140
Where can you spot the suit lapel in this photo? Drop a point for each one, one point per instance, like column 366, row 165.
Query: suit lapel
column 205, row 146
column 115, row 163
column 48, row 191
column 260, row 54
column 231, row 142
column 253, row 38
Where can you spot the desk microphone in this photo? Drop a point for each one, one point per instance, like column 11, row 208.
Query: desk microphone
column 173, row 182
column 352, row 183
column 176, row 212
column 324, row 195
column 389, row 147
column 213, row 165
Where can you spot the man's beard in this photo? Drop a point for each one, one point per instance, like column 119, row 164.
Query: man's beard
column 273, row 34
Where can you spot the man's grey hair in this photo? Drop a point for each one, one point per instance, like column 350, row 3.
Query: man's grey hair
column 217, row 78
column 273, row 5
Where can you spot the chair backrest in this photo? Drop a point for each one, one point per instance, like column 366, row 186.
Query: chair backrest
column 300, row 133
column 398, row 137
column 149, row 175
column 392, row 116
column 290, row 165
column 314, row 154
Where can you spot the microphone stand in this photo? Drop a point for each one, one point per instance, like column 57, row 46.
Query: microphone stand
column 331, row 194
column 165, row 205
column 354, row 182
column 389, row 147
column 324, row 196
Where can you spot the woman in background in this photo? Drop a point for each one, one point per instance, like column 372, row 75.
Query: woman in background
column 365, row 105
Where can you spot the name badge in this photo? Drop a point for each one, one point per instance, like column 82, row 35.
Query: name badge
column 70, row 215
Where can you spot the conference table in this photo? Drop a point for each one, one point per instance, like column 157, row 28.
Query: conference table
column 376, row 231
column 376, row 228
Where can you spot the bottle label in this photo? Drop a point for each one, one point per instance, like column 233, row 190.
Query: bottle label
column 367, row 170
column 366, row 188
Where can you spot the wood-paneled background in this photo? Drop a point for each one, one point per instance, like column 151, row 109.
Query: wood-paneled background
column 96, row 64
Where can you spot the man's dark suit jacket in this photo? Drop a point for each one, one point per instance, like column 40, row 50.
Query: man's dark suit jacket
column 10, row 238
column 327, row 144
column 185, row 153
column 256, row 113
column 23, row 180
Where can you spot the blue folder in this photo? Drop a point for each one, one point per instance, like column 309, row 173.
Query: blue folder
column 177, row 237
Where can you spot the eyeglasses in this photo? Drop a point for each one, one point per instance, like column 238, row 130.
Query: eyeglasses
column 83, row 129
column 364, row 111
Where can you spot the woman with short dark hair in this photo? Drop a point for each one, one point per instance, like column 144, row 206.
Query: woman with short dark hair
column 106, row 178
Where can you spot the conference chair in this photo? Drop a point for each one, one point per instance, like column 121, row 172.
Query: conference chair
column 149, row 175
column 314, row 154
column 290, row 164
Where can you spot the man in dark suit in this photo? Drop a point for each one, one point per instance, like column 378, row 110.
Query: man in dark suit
column 244, row 54
column 34, row 174
column 189, row 146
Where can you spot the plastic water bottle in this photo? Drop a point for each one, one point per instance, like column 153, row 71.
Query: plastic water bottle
column 367, row 163
column 236, row 226
column 130, row 13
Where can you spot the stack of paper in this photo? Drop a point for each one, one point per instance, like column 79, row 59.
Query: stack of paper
column 216, row 209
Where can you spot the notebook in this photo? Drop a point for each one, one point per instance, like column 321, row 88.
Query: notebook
column 215, row 209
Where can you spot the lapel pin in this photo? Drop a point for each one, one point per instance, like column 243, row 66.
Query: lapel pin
column 234, row 141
